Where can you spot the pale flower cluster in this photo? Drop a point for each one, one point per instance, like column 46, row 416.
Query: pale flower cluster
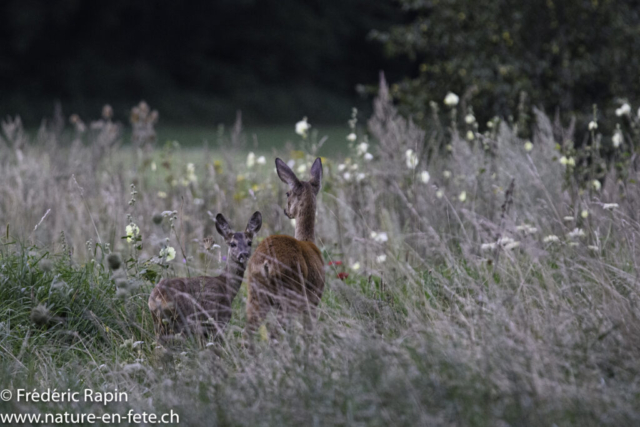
column 168, row 253
column 527, row 229
column 617, row 139
column 302, row 127
column 362, row 148
column 411, row 159
column 624, row 110
column 380, row 237
column 576, row 233
column 567, row 161
column 451, row 100
column 132, row 231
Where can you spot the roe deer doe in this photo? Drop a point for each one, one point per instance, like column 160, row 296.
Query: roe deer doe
column 202, row 305
column 287, row 273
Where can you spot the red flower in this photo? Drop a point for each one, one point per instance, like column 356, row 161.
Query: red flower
column 335, row 262
column 343, row 275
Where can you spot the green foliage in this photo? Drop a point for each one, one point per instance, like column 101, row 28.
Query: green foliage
column 565, row 54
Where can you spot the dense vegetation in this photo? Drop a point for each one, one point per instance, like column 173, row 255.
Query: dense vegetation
column 481, row 284
column 565, row 54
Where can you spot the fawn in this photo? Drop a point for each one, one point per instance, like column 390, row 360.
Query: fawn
column 287, row 273
column 202, row 305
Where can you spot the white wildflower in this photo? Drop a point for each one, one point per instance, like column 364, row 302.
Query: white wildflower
column 446, row 174
column 573, row 244
column 463, row 196
column 293, row 222
column 425, row 177
column 567, row 161
column 355, row 266
column 609, row 206
column 251, row 159
column 593, row 247
column 261, row 160
column 351, row 137
column 596, row 185
column 162, row 194
column 191, row 173
column 362, row 148
column 488, row 246
column 511, row 245
column 302, row 127
column 132, row 231
column 551, row 238
column 439, row 194
column 291, row 163
column 470, row 135
column 412, row 159
column 368, row 157
column 624, row 110
column 341, row 167
column 469, row 119
column 347, row 176
column 302, row 168
column 617, row 139
column 577, row 232
column 528, row 146
column 153, row 166
column 379, row 237
column 505, row 240
column 360, row 176
column 567, row 218
column 451, row 100
column 593, row 125
column 527, row 229
column 584, row 214
column 381, row 258
column 169, row 252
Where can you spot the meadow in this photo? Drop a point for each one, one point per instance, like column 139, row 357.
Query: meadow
column 473, row 276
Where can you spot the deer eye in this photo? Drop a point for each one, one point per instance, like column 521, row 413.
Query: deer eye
column 288, row 194
column 249, row 243
column 232, row 244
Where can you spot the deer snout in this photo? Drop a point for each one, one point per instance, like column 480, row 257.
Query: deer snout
column 243, row 256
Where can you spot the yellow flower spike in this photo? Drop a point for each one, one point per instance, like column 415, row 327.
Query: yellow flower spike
column 217, row 166
column 296, row 154
column 264, row 334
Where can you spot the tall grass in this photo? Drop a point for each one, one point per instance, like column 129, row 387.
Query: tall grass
column 502, row 290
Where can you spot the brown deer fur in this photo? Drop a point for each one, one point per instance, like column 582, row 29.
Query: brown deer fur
column 202, row 305
column 287, row 273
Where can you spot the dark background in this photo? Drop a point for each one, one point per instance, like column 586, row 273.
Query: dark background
column 197, row 62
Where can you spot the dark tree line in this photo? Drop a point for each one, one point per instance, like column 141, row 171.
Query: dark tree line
column 196, row 61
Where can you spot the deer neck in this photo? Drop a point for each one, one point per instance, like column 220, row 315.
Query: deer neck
column 306, row 222
column 233, row 274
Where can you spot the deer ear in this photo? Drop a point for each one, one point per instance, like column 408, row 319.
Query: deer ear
column 255, row 223
column 286, row 174
column 223, row 226
column 316, row 175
